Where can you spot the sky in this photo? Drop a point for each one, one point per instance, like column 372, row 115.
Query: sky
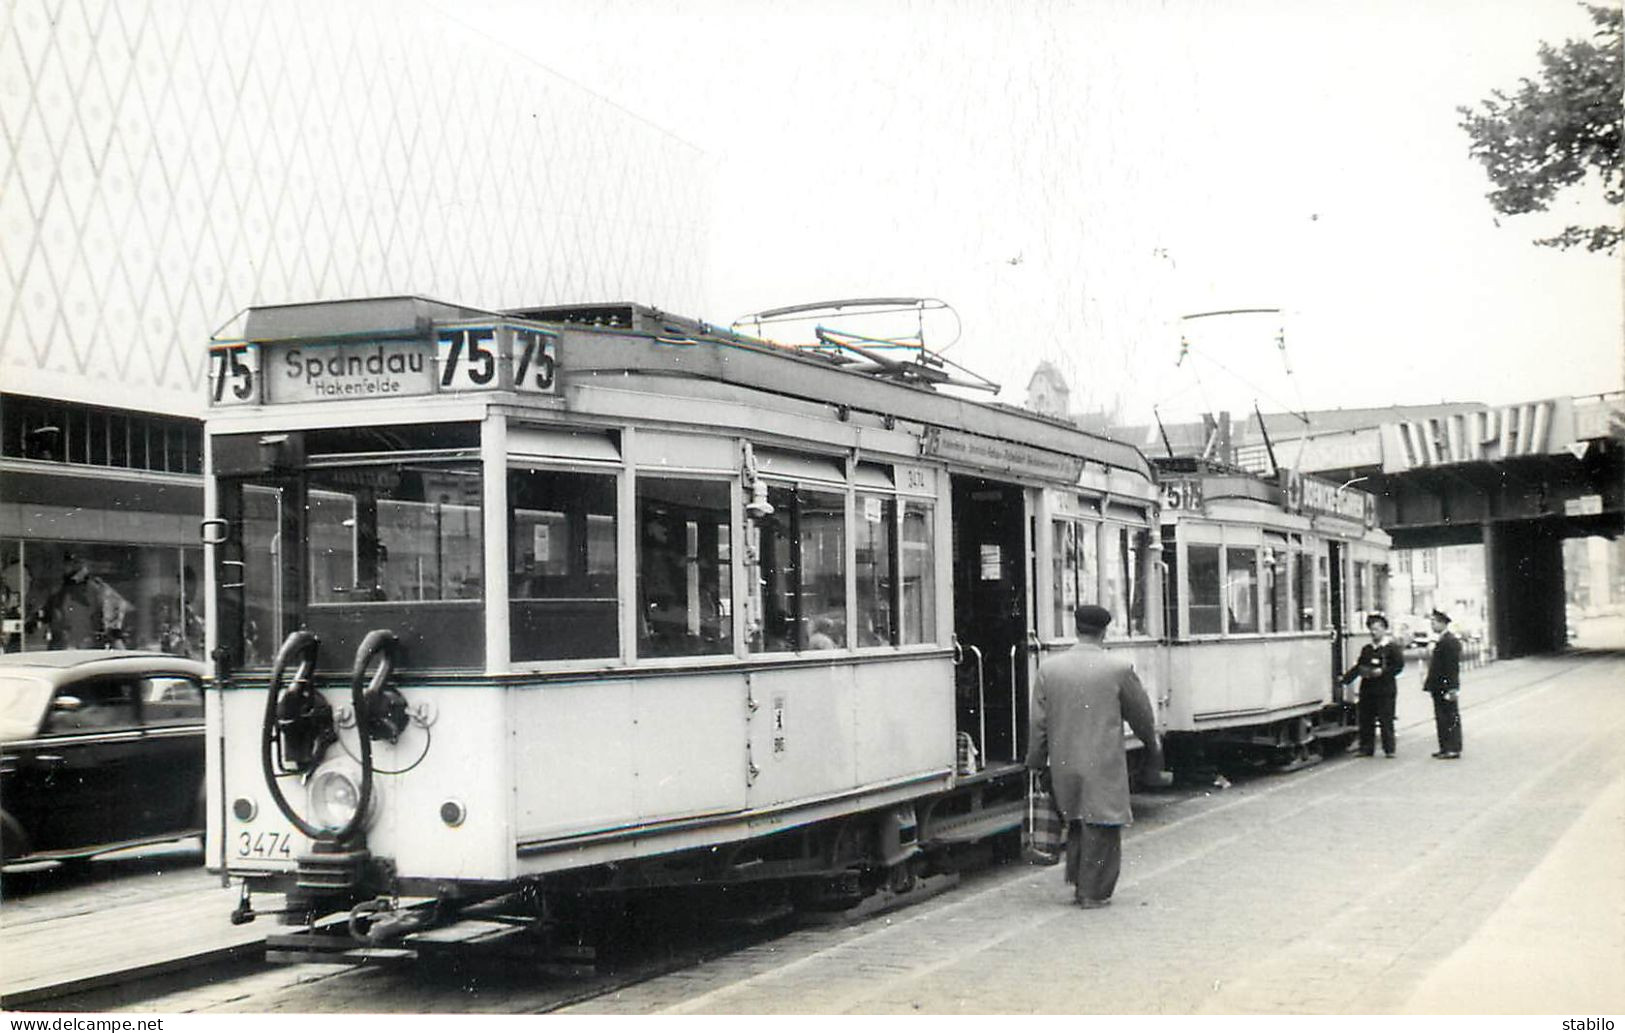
column 1075, row 179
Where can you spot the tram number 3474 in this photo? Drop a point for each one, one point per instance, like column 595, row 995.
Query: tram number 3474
column 265, row 844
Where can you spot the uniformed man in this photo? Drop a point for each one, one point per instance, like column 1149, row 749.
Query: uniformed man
column 1080, row 701
column 1380, row 662
column 1443, row 683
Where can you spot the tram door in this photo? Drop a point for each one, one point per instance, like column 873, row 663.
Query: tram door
column 1334, row 619
column 990, row 615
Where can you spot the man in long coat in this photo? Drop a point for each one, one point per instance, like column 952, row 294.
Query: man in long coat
column 1443, row 683
column 1080, row 701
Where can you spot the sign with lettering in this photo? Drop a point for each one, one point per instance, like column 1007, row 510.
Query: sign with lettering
column 1182, row 494
column 485, row 357
column 352, row 370
column 1482, row 435
column 1005, row 456
column 1305, row 494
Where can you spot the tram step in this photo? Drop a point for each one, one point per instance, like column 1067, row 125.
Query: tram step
column 975, row 827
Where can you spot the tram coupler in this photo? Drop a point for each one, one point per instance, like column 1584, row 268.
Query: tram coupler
column 245, row 912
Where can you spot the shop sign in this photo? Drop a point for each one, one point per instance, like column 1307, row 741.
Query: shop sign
column 1585, row 505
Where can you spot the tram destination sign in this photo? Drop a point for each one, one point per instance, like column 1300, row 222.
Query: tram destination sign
column 455, row 359
column 993, row 454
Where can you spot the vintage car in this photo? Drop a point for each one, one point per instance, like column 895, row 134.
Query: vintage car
column 99, row 749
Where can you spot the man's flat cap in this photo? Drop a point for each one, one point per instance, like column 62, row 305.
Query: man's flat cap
column 1092, row 617
column 1440, row 615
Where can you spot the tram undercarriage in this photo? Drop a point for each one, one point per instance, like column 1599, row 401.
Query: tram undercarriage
column 841, row 869
column 1284, row 744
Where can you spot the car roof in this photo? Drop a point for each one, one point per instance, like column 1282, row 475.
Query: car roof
column 57, row 665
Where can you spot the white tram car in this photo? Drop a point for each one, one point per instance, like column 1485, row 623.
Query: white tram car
column 1268, row 584
column 594, row 599
column 561, row 603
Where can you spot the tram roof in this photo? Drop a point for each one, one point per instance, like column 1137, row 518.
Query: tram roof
column 624, row 333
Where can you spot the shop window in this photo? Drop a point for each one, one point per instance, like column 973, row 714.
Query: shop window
column 803, row 570
column 561, row 565
column 919, row 567
column 875, row 542
column 685, row 567
column 1205, row 587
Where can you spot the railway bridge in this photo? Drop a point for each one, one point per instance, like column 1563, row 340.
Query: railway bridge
column 1518, row 479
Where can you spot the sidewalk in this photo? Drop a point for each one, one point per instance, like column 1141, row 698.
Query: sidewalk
column 1523, row 959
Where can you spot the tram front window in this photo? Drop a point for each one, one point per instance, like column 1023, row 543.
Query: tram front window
column 685, row 567
column 561, row 565
column 394, row 533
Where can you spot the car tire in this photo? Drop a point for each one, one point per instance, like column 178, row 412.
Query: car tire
column 14, row 839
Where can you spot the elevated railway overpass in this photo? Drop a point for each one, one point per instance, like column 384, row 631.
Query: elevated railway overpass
column 1518, row 479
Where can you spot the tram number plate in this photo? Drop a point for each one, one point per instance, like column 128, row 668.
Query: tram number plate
column 488, row 358
column 274, row 846
column 468, row 359
column 535, row 361
column 234, row 375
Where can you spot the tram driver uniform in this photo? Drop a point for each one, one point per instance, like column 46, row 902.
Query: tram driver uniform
column 1443, row 682
column 1380, row 662
column 1080, row 701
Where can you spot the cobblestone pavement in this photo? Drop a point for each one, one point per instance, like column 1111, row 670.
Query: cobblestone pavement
column 1339, row 889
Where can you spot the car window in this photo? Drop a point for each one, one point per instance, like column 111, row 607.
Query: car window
column 22, row 705
column 106, row 704
column 169, row 699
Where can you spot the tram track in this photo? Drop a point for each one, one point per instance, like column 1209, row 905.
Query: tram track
column 231, row 981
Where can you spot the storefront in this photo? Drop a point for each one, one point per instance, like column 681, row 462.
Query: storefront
column 99, row 512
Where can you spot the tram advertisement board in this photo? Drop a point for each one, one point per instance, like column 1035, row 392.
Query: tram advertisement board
column 455, row 359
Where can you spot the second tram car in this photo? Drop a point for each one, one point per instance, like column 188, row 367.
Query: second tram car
column 1268, row 582
column 553, row 604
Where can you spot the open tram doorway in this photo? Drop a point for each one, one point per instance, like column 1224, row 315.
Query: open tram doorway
column 991, row 616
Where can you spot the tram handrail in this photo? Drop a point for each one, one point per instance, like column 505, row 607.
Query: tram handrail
column 981, row 704
column 1013, row 740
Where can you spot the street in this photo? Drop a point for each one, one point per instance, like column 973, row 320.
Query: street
column 1491, row 885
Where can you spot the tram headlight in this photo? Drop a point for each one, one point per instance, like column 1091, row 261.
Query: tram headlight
column 334, row 796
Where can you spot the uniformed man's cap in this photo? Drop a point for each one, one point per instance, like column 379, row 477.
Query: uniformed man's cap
column 1375, row 617
column 1092, row 618
column 1440, row 615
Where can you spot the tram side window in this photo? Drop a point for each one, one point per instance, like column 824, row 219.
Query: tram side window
column 1075, row 564
column 1303, row 571
column 685, row 567
column 1206, row 591
column 1170, row 583
column 875, row 537
column 1379, row 587
column 561, row 565
column 1241, row 589
column 1323, row 584
column 803, row 571
column 919, row 565
column 1277, row 578
column 1125, row 584
column 1362, row 587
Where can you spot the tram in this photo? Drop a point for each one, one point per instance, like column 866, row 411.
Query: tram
column 558, row 602
column 1269, row 581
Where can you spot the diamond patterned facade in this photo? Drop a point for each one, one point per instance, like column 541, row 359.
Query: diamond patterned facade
column 169, row 163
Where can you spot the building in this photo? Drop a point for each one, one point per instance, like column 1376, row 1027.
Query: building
column 171, row 164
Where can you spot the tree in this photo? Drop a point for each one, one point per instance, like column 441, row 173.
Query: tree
column 1557, row 130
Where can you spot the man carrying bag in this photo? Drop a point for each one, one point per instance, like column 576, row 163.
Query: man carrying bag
column 1080, row 701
